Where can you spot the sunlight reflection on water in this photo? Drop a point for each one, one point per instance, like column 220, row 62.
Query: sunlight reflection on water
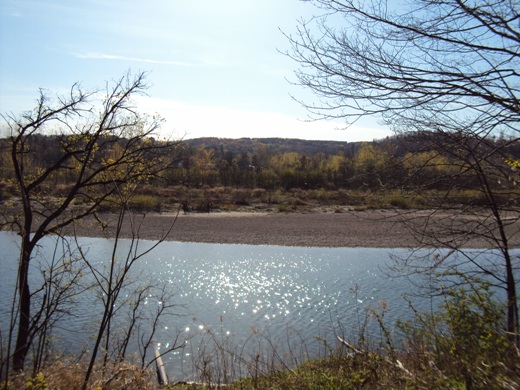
column 234, row 291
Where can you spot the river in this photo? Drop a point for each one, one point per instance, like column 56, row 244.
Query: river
column 241, row 296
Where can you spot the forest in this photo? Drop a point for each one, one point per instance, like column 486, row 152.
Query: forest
column 203, row 174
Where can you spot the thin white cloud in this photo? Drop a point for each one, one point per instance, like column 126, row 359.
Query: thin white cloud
column 104, row 56
column 193, row 121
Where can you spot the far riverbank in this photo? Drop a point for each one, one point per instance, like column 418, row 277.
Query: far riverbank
column 322, row 228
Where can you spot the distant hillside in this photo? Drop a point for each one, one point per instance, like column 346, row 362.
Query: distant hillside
column 274, row 145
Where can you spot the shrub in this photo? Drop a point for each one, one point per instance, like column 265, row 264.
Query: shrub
column 110, row 204
column 203, row 205
column 259, row 193
column 4, row 195
column 144, row 203
column 324, row 196
column 285, row 208
column 464, row 341
column 37, row 383
column 241, row 197
column 399, row 202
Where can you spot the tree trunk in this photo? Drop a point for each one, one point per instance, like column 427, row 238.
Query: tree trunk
column 512, row 307
column 22, row 341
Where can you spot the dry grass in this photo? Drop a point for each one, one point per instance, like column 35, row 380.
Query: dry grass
column 67, row 374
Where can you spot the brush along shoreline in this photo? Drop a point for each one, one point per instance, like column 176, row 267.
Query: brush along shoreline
column 318, row 228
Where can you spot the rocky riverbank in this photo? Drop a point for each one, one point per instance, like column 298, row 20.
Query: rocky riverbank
column 320, row 228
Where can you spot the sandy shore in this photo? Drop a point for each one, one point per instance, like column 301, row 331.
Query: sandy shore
column 371, row 228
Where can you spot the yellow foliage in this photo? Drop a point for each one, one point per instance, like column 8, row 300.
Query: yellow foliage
column 369, row 159
column 515, row 164
column 431, row 162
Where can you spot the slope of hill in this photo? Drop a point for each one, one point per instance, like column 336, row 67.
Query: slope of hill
column 281, row 145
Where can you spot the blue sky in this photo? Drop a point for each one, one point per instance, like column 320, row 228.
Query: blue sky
column 214, row 66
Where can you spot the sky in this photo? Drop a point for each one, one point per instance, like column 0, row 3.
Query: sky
column 215, row 68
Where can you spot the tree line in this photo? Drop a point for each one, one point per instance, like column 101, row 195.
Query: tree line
column 413, row 162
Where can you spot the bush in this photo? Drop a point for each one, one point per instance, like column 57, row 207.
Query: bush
column 203, row 205
column 399, row 202
column 37, row 383
column 259, row 193
column 284, row 208
column 324, row 196
column 241, row 197
column 144, row 203
column 464, row 341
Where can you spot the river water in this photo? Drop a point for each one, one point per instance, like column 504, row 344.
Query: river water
column 241, row 295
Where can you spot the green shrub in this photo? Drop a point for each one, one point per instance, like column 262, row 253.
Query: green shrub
column 324, row 196
column 37, row 383
column 144, row 203
column 464, row 340
column 285, row 208
column 399, row 202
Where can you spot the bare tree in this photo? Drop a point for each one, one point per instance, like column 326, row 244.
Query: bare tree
column 56, row 283
column 62, row 284
column 115, row 280
column 446, row 70
column 103, row 142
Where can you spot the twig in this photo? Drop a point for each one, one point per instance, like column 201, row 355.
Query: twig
column 356, row 351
